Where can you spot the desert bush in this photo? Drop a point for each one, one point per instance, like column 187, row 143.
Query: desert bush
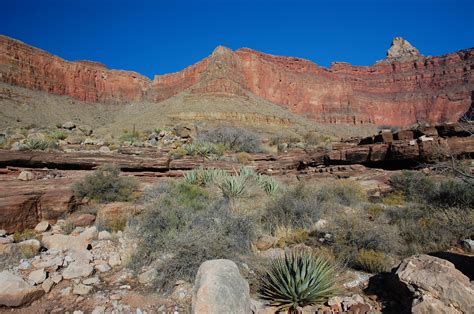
column 415, row 186
column 427, row 229
column 372, row 261
column 235, row 139
column 342, row 192
column 296, row 207
column 188, row 225
column 267, row 184
column 297, row 280
column 58, row 135
column 243, row 158
column 130, row 136
column 204, row 149
column 25, row 235
column 38, row 144
column 105, row 185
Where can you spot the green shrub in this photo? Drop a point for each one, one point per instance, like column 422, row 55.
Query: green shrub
column 267, row 184
column 185, row 223
column 235, row 139
column 58, row 135
column 298, row 207
column 205, row 177
column 130, row 136
column 204, row 149
column 38, row 144
column 372, row 261
column 297, row 280
column 343, row 192
column 105, row 185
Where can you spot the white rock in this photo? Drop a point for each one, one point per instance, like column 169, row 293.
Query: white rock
column 56, row 277
column 37, row 276
column 14, row 291
column 81, row 289
column 77, row 269
column 104, row 235
column 103, row 267
column 2, row 233
column 91, row 281
column 42, row 226
column 104, row 149
column 47, row 285
column 115, row 260
column 6, row 240
column 89, row 234
column 26, row 176
column 99, row 310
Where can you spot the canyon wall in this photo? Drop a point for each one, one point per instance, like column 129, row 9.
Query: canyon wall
column 401, row 90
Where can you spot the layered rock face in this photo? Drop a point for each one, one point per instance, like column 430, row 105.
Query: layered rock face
column 403, row 89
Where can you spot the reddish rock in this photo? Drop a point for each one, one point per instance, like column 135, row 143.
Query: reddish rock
column 428, row 89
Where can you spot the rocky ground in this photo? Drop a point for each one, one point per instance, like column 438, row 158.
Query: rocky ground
column 69, row 263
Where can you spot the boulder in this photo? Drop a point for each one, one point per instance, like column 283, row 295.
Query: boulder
column 265, row 242
column 26, row 176
column 85, row 129
column 81, row 220
column 185, row 130
column 437, row 286
column 68, row 125
column 42, row 226
column 14, row 291
column 219, row 288
column 37, row 276
column 147, row 276
column 78, row 269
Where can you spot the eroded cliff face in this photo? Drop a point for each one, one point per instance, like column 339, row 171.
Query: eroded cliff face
column 401, row 90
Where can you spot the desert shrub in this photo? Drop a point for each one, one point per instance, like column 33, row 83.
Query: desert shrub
column 34, row 143
column 297, row 280
column 189, row 226
column 68, row 227
column 58, row 135
column 281, row 138
column 353, row 232
column 24, row 235
column 12, row 256
column 296, row 207
column 130, row 136
column 205, row 177
column 204, row 149
column 267, row 184
column 374, row 210
column 235, row 139
column 372, row 261
column 243, row 158
column 113, row 224
column 288, row 235
column 426, row 229
column 105, row 185
column 443, row 192
column 343, row 192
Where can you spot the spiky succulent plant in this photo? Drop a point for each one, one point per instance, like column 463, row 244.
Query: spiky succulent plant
column 269, row 185
column 233, row 187
column 298, row 279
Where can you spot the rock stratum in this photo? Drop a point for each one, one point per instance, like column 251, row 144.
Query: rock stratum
column 403, row 89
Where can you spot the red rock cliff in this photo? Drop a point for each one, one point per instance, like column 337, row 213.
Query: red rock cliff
column 402, row 90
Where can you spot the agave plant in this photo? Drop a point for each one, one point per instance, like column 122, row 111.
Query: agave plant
column 298, row 279
column 246, row 172
column 269, row 185
column 37, row 144
column 191, row 177
column 233, row 186
column 213, row 176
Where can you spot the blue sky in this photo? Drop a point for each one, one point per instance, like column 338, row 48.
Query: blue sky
column 157, row 37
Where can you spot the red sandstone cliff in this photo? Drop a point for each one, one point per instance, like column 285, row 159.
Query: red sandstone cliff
column 399, row 91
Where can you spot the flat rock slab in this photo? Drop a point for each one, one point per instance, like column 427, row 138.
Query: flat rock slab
column 14, row 291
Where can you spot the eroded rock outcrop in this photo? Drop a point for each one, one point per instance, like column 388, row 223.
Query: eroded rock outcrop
column 406, row 89
column 437, row 286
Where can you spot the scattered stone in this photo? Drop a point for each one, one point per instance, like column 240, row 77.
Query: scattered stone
column 29, row 247
column 75, row 139
column 68, row 125
column 42, row 226
column 89, row 234
column 26, row 176
column 82, row 220
column 77, row 269
column 3, row 233
column 104, row 149
column 6, row 240
column 47, row 285
column 115, row 297
column 104, row 235
column 37, row 276
column 219, row 288
column 104, row 267
column 115, row 260
column 66, row 291
column 99, row 310
column 91, row 281
column 14, row 291
column 147, row 276
column 56, row 277
column 437, row 286
column 85, row 129
column 265, row 242
column 81, row 289
column 24, row 265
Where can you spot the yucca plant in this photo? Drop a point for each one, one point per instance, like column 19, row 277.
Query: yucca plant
column 37, row 144
column 233, row 186
column 213, row 176
column 298, row 279
column 269, row 185
column 191, row 177
column 246, row 172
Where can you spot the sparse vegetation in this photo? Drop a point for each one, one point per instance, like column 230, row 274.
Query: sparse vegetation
column 105, row 185
column 34, row 143
column 297, row 280
column 203, row 149
column 235, row 139
column 58, row 135
column 372, row 261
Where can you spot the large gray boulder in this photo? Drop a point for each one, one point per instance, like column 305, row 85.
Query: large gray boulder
column 437, row 286
column 219, row 288
column 14, row 291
